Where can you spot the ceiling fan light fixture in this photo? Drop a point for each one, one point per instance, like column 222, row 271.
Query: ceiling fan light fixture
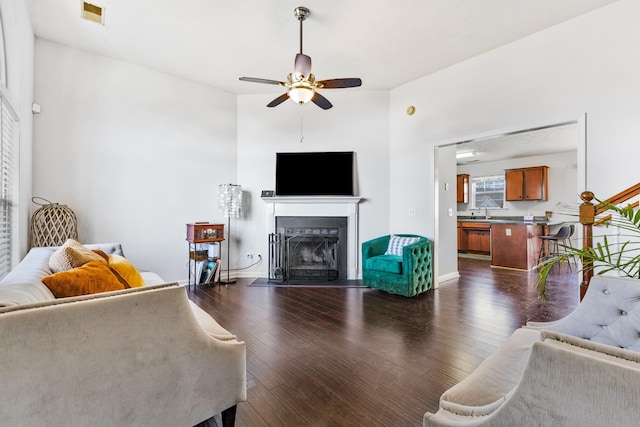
column 301, row 93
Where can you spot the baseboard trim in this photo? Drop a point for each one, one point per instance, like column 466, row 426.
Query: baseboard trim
column 449, row 276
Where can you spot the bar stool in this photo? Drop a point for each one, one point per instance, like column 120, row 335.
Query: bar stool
column 561, row 238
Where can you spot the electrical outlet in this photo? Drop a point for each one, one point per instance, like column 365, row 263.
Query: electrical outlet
column 250, row 255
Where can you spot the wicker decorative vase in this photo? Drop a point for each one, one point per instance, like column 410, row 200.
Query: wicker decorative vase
column 52, row 225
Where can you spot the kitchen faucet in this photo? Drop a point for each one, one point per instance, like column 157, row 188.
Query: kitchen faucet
column 486, row 211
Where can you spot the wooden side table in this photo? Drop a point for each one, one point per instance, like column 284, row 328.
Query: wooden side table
column 202, row 233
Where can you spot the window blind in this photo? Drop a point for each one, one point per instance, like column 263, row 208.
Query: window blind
column 8, row 173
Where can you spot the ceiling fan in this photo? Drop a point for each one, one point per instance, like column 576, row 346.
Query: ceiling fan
column 302, row 85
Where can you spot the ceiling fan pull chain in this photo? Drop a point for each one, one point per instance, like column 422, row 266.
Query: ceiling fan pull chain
column 301, row 123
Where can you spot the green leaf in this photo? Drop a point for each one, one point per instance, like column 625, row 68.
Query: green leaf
column 604, row 257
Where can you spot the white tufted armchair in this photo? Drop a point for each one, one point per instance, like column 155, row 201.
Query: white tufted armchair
column 583, row 369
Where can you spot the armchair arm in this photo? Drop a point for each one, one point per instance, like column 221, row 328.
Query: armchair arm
column 572, row 385
column 563, row 384
column 375, row 247
column 417, row 266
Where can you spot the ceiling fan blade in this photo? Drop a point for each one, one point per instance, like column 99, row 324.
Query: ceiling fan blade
column 339, row 83
column 257, row 80
column 321, row 101
column 279, row 100
column 302, row 65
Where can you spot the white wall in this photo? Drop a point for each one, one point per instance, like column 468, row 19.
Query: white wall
column 358, row 122
column 446, row 212
column 587, row 65
column 18, row 35
column 135, row 153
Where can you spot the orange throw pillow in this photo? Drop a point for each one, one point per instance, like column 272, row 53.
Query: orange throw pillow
column 102, row 253
column 93, row 277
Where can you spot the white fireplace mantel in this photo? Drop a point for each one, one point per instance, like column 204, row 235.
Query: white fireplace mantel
column 320, row 206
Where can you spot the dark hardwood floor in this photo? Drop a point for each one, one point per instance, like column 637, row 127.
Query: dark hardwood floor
column 362, row 357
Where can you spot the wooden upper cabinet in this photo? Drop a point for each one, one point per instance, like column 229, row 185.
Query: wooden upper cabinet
column 526, row 184
column 462, row 188
column 514, row 185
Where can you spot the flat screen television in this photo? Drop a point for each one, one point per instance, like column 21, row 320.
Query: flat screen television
column 314, row 174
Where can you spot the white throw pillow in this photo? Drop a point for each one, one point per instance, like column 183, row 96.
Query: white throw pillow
column 72, row 254
column 396, row 243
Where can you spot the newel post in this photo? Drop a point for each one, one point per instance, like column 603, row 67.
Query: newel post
column 587, row 218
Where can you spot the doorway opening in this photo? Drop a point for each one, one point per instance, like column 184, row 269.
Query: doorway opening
column 495, row 151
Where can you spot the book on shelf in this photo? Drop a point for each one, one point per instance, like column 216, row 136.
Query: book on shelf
column 199, row 254
column 209, row 272
column 195, row 269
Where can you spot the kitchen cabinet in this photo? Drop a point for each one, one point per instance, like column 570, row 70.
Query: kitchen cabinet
column 516, row 245
column 526, row 184
column 462, row 187
column 474, row 237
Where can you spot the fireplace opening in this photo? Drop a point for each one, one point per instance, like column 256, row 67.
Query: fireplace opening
column 308, row 249
column 312, row 257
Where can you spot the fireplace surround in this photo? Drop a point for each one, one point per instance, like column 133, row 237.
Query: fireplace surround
column 321, row 207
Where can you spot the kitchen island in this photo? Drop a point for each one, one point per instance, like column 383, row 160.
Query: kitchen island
column 516, row 245
column 511, row 242
column 474, row 237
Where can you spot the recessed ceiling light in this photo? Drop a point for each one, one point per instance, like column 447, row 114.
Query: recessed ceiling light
column 91, row 12
column 465, row 154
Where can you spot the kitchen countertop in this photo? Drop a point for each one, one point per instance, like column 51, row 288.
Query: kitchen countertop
column 506, row 220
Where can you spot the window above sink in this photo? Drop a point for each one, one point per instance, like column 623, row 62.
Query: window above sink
column 487, row 192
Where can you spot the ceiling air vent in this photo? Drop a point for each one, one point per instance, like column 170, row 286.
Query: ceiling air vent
column 94, row 13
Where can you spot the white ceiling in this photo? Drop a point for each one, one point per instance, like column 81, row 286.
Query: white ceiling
column 387, row 43
column 556, row 139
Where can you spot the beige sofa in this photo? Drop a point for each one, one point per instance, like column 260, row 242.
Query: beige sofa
column 139, row 357
column 582, row 370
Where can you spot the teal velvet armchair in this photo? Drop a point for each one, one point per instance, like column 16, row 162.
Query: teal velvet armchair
column 402, row 269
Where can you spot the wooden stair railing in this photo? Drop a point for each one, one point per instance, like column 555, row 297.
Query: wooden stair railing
column 588, row 213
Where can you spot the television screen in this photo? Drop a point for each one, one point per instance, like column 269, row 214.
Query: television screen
column 314, row 174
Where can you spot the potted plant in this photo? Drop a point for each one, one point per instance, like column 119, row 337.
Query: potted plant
column 604, row 256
